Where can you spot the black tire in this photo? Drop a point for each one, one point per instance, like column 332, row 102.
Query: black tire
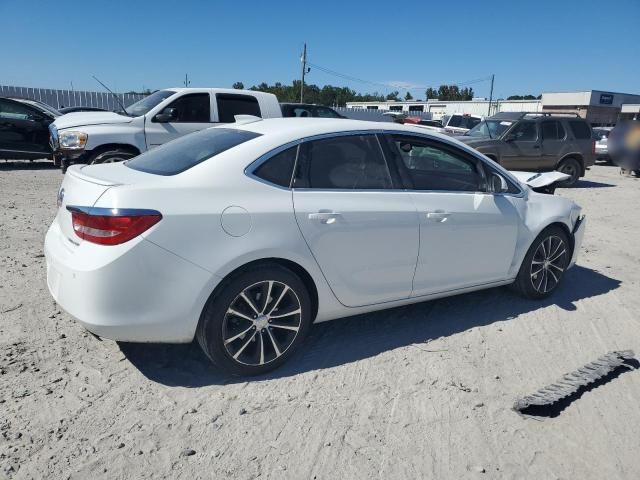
column 538, row 276
column 111, row 156
column 261, row 344
column 572, row 167
column 64, row 164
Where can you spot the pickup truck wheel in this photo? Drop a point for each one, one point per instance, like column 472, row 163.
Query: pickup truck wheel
column 571, row 167
column 111, row 156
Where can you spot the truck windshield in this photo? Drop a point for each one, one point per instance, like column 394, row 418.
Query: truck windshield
column 186, row 152
column 141, row 107
column 489, row 128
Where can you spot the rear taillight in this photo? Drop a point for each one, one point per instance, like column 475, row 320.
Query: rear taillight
column 106, row 226
column 593, row 146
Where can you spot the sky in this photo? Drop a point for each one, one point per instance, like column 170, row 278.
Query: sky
column 530, row 46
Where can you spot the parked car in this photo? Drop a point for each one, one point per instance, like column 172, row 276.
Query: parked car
column 308, row 110
column 65, row 110
column 244, row 235
column 460, row 123
column 107, row 137
column 601, row 136
column 24, row 129
column 535, row 142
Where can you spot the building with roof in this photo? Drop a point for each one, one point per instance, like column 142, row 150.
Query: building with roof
column 598, row 107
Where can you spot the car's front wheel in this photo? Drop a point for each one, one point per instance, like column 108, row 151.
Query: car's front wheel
column 256, row 321
column 111, row 156
column 571, row 167
column 544, row 264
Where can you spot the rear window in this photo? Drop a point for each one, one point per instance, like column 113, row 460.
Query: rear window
column 185, row 152
column 580, row 129
column 230, row 105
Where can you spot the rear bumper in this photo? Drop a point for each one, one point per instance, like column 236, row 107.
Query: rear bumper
column 135, row 292
column 578, row 235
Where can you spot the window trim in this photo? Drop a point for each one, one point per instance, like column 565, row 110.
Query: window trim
column 248, row 171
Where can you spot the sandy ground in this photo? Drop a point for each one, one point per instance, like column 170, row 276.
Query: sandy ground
column 418, row 392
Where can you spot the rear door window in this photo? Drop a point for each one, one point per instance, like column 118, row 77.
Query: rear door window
column 185, row 152
column 230, row 105
column 552, row 130
column 350, row 162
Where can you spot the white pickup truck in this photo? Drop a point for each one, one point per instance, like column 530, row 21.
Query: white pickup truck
column 106, row 137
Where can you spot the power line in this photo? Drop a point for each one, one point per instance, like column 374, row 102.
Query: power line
column 389, row 85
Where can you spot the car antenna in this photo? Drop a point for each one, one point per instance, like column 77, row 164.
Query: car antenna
column 114, row 95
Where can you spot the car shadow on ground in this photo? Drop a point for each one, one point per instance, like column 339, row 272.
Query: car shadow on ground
column 347, row 340
column 10, row 165
column 592, row 184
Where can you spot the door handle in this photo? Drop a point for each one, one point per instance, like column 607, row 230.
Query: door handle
column 326, row 218
column 438, row 216
column 536, row 146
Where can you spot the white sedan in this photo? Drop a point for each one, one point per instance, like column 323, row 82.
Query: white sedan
column 244, row 235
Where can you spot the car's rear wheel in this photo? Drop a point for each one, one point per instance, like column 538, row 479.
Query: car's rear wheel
column 544, row 264
column 256, row 321
column 571, row 167
column 111, row 156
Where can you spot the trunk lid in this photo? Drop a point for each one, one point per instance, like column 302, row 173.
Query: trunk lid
column 83, row 185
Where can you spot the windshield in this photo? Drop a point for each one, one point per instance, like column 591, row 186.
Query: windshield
column 489, row 128
column 42, row 106
column 185, row 152
column 143, row 106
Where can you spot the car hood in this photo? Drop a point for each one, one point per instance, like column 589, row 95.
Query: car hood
column 89, row 118
column 537, row 180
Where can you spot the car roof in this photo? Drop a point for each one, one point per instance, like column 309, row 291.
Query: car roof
column 289, row 129
column 217, row 90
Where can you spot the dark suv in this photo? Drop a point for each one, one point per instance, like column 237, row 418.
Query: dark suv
column 535, row 142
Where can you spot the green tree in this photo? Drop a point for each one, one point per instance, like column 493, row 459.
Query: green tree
column 408, row 97
column 238, row 86
column 394, row 96
column 450, row 93
column 523, row 97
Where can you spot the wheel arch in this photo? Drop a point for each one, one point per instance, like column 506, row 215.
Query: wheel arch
column 115, row 146
column 295, row 267
column 575, row 155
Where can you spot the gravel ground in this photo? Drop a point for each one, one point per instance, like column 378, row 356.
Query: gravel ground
column 416, row 392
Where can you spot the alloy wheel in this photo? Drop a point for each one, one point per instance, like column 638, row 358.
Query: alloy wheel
column 548, row 264
column 261, row 323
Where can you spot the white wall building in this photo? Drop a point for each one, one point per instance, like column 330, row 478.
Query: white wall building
column 597, row 106
column 630, row 111
column 438, row 109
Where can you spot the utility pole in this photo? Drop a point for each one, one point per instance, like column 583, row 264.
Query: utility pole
column 303, row 60
column 186, row 80
column 491, row 95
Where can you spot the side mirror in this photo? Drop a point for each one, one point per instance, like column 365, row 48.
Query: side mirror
column 499, row 184
column 510, row 137
column 167, row 115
